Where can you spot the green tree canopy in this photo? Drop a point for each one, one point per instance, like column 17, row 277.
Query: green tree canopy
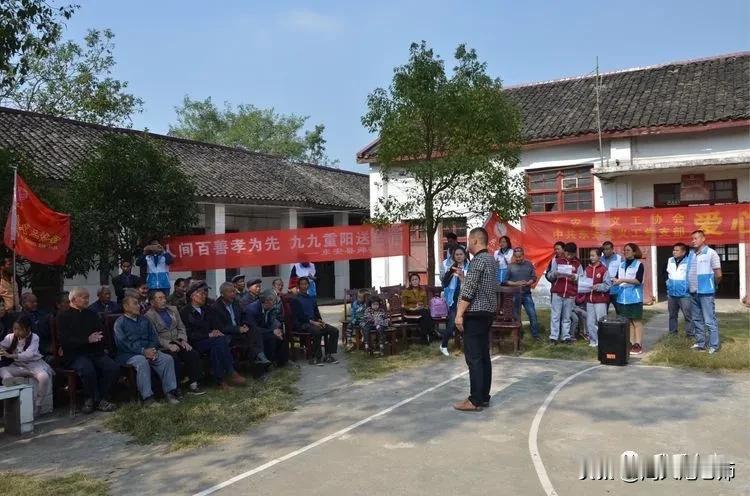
column 453, row 138
column 74, row 81
column 27, row 29
column 127, row 191
column 251, row 128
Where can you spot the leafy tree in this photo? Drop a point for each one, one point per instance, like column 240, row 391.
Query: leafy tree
column 251, row 128
column 452, row 139
column 125, row 192
column 29, row 28
column 74, row 81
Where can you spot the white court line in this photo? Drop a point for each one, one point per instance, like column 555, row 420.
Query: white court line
column 541, row 472
column 330, row 437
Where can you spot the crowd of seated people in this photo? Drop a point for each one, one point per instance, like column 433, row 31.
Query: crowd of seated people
column 179, row 341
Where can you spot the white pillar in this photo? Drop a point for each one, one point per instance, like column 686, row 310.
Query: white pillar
column 743, row 270
column 341, row 267
column 288, row 221
column 216, row 224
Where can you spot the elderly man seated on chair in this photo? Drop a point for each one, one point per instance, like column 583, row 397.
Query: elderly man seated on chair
column 307, row 319
column 260, row 316
column 138, row 345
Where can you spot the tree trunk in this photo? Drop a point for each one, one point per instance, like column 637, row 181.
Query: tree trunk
column 429, row 228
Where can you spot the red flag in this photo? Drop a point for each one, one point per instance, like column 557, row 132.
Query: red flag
column 35, row 231
column 537, row 250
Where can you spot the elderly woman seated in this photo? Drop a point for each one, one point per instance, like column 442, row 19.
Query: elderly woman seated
column 415, row 307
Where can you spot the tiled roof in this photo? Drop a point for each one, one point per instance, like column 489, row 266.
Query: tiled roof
column 231, row 175
column 672, row 95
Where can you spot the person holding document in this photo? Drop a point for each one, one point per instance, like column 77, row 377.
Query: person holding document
column 565, row 270
column 593, row 291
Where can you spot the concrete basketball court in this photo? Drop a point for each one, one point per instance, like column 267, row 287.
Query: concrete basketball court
column 423, row 446
column 399, row 435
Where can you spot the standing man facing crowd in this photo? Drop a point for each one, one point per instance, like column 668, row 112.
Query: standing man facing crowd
column 704, row 274
column 521, row 274
column 474, row 316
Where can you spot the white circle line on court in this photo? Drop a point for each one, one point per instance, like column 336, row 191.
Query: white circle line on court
column 541, row 472
column 330, row 437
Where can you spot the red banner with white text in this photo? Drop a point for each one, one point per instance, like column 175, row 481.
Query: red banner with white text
column 257, row 248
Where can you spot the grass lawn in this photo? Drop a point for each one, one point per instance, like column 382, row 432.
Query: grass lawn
column 734, row 329
column 201, row 420
column 69, row 485
column 363, row 366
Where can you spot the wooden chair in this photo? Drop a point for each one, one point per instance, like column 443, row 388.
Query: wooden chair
column 387, row 291
column 398, row 322
column 391, row 341
column 506, row 322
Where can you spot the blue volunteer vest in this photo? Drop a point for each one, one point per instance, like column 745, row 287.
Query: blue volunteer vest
column 629, row 293
column 158, row 274
column 677, row 277
column 702, row 261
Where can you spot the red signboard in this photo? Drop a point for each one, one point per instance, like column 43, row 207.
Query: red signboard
column 257, row 248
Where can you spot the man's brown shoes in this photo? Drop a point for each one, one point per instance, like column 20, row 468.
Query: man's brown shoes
column 467, row 406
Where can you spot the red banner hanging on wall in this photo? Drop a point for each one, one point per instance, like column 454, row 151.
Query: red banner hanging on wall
column 722, row 224
column 257, row 248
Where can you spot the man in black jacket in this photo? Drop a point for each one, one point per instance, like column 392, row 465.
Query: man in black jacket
column 234, row 326
column 125, row 280
column 203, row 330
column 260, row 316
column 81, row 339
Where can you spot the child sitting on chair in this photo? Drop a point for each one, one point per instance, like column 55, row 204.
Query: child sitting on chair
column 357, row 318
column 376, row 319
column 21, row 358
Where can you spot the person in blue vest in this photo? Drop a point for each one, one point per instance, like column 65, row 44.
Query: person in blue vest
column 612, row 262
column 156, row 261
column 629, row 282
column 704, row 274
column 452, row 280
column 678, row 296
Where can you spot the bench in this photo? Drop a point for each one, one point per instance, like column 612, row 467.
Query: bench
column 18, row 405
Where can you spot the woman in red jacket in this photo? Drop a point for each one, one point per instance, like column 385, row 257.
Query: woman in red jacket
column 593, row 290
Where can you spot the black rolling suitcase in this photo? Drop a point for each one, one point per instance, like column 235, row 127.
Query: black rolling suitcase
column 613, row 340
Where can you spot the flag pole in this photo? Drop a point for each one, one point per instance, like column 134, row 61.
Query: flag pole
column 14, row 230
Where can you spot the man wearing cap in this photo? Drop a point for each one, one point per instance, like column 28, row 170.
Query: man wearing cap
column 253, row 292
column 202, row 326
column 260, row 316
column 233, row 326
column 239, row 285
